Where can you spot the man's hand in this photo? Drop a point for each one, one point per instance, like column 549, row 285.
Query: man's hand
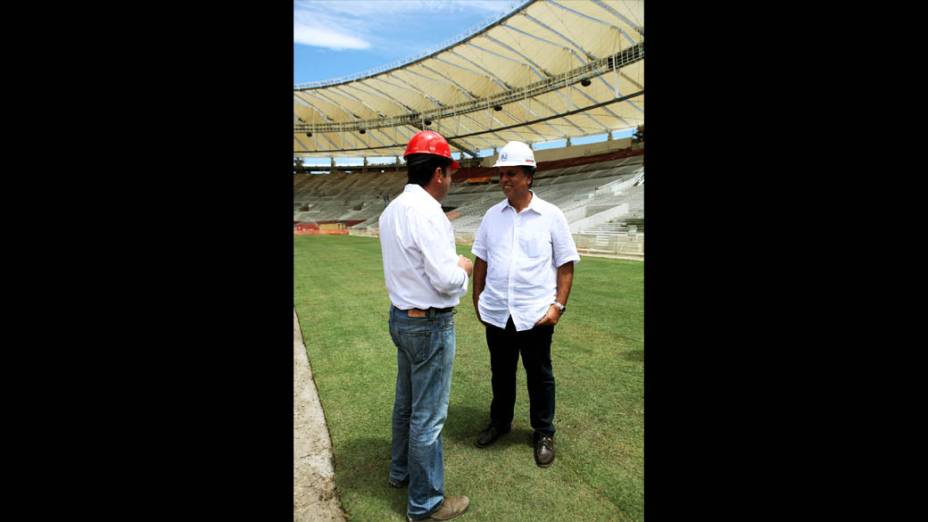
column 552, row 316
column 466, row 264
column 480, row 279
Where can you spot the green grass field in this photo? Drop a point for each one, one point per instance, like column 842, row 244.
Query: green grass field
column 598, row 357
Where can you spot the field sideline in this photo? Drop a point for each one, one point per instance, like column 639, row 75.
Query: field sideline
column 598, row 355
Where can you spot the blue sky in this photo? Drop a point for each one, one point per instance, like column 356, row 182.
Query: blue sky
column 332, row 38
column 336, row 38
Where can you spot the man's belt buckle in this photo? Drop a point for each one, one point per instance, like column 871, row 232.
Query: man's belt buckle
column 415, row 312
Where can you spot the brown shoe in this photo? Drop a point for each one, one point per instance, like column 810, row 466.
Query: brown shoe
column 544, row 449
column 450, row 508
column 489, row 436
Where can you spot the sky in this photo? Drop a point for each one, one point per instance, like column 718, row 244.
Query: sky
column 337, row 38
column 332, row 39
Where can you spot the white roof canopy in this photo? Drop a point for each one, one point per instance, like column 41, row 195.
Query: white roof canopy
column 548, row 70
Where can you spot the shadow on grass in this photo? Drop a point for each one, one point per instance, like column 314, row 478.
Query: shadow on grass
column 466, row 422
column 364, row 472
column 363, row 463
column 634, row 355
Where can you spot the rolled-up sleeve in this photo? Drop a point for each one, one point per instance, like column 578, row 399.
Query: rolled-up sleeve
column 565, row 250
column 439, row 257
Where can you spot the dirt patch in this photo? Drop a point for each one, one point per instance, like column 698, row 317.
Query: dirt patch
column 314, row 497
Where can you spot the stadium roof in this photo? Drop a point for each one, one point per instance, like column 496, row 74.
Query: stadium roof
column 548, row 70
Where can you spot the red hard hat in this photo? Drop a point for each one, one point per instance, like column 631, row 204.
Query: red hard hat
column 430, row 142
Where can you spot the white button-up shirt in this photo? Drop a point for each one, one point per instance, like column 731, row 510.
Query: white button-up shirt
column 523, row 251
column 419, row 258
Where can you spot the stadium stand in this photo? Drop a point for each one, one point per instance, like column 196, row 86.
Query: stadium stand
column 601, row 195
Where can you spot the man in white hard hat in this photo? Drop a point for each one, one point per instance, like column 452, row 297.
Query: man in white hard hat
column 523, row 272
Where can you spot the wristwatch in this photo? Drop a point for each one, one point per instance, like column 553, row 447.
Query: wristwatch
column 559, row 306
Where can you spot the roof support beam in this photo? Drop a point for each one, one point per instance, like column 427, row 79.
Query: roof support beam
column 544, row 40
column 408, row 108
column 460, row 136
column 337, row 105
column 340, row 106
column 638, row 29
column 298, row 140
column 467, row 93
column 342, row 92
column 466, row 149
column 554, row 84
column 519, row 54
column 587, row 53
column 451, row 81
column 579, row 56
column 500, row 81
column 528, row 108
column 310, row 105
column 437, row 102
column 409, row 87
column 401, row 104
column 378, row 140
column 384, row 96
column 327, row 138
column 502, row 84
column 353, row 115
column 541, row 75
column 597, row 20
column 558, row 33
column 442, row 79
column 564, row 115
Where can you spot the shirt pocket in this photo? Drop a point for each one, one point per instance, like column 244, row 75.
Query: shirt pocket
column 532, row 244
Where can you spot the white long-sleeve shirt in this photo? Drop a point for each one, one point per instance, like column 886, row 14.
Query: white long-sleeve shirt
column 419, row 258
column 523, row 251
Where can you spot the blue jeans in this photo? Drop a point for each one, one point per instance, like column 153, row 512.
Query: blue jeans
column 425, row 351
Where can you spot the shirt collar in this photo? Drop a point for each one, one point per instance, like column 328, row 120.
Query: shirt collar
column 420, row 192
column 532, row 205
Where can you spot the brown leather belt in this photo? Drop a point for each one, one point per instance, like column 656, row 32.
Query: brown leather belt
column 415, row 312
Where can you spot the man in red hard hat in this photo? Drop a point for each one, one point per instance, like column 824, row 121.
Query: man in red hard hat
column 425, row 279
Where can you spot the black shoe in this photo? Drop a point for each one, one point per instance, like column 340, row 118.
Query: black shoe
column 544, row 449
column 398, row 483
column 489, row 436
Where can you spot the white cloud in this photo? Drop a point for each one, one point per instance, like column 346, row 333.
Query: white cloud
column 319, row 36
column 327, row 29
column 354, row 24
column 384, row 7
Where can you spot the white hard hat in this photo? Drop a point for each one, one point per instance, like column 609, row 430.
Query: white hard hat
column 515, row 153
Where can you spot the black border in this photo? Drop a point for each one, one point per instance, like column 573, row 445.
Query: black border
column 750, row 148
column 180, row 325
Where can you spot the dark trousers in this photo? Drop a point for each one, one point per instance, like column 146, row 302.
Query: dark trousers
column 535, row 346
